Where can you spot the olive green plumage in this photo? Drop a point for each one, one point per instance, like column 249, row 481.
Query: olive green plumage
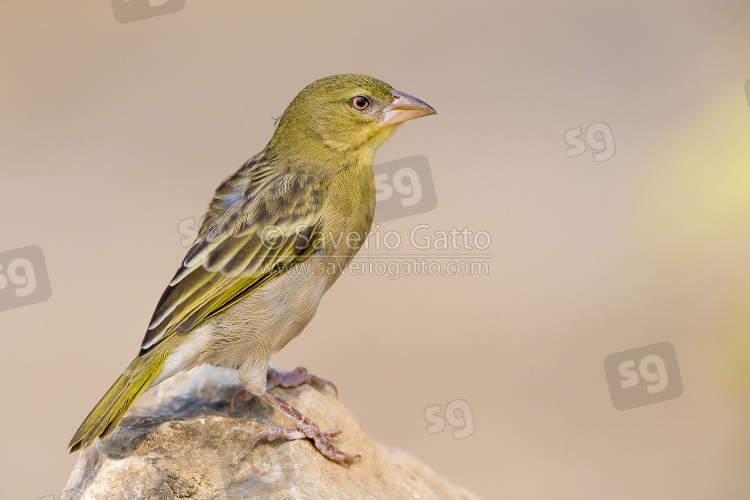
column 103, row 419
column 235, row 298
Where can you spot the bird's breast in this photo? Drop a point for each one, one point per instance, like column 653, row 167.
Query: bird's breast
column 347, row 215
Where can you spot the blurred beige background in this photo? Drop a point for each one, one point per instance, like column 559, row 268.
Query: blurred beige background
column 111, row 134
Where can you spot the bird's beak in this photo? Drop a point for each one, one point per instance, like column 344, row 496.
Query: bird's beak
column 404, row 107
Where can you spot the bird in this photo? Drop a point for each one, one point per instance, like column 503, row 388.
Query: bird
column 268, row 249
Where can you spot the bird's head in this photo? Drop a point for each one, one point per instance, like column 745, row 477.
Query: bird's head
column 348, row 114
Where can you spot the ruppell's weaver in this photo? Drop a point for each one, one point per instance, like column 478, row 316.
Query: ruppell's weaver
column 269, row 248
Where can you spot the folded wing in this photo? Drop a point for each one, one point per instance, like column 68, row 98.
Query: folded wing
column 260, row 222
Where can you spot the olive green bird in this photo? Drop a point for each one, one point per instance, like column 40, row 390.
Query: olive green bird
column 269, row 248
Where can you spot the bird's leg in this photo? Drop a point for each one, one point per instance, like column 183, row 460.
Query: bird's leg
column 294, row 378
column 305, row 428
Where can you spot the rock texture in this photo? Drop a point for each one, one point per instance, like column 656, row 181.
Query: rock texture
column 179, row 441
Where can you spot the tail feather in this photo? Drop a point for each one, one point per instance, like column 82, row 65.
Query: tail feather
column 106, row 415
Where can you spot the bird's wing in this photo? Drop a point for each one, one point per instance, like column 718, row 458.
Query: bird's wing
column 260, row 222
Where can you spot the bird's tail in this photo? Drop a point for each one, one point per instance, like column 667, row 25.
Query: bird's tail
column 106, row 415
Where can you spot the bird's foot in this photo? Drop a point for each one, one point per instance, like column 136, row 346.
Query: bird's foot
column 305, row 429
column 295, row 378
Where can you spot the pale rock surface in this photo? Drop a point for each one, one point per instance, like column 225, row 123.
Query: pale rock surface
column 179, row 441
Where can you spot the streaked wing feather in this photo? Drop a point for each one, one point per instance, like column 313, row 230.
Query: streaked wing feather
column 233, row 254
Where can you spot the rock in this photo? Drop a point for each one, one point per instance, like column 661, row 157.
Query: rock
column 179, row 441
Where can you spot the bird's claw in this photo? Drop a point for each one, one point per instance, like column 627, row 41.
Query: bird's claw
column 287, row 380
column 244, row 394
column 295, row 378
column 274, row 433
column 320, row 439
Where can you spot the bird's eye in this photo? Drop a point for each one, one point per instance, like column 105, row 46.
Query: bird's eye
column 360, row 102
